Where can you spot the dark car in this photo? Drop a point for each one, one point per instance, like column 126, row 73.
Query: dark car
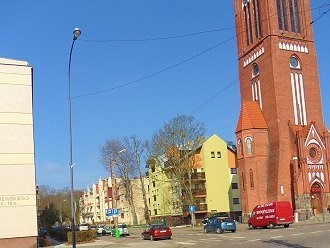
column 219, row 225
column 157, row 231
column 42, row 232
column 211, row 215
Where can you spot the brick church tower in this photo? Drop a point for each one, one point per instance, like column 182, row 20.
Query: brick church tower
column 283, row 145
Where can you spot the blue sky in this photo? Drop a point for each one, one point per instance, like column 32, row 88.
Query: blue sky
column 119, row 45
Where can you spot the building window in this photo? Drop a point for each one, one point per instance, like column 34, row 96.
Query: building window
column 243, row 181
column 234, row 185
column 257, row 22
column 235, row 201
column 212, row 155
column 249, row 145
column 218, row 154
column 251, row 179
column 233, row 171
column 240, row 147
column 281, row 15
column 298, row 92
column 255, row 70
column 248, row 22
column 294, row 16
column 153, row 169
column 153, row 184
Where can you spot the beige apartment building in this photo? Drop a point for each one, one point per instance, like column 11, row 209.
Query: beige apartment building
column 96, row 200
column 18, row 209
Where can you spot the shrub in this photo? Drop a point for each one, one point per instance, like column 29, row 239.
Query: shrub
column 82, row 236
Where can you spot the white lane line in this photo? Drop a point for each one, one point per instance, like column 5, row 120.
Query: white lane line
column 297, row 234
column 316, row 231
column 185, row 243
column 276, row 237
column 253, row 240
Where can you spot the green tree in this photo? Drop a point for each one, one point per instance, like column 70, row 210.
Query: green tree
column 49, row 216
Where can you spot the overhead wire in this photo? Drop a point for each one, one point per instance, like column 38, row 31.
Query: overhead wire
column 185, row 60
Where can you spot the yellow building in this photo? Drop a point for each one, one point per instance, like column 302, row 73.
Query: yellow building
column 214, row 185
column 18, row 209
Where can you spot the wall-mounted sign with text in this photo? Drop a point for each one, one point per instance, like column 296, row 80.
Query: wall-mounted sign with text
column 17, row 200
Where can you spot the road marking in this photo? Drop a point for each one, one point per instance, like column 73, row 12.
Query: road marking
column 317, row 232
column 297, row 234
column 276, row 237
column 185, row 243
column 253, row 240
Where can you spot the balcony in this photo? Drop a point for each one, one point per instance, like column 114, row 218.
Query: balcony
column 198, row 208
column 198, row 176
column 199, row 192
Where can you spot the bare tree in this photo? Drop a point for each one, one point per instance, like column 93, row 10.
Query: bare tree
column 138, row 150
column 124, row 167
column 176, row 143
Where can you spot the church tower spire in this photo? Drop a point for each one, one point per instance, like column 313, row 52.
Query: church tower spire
column 278, row 72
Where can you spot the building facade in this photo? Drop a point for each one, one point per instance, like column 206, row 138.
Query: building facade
column 17, row 166
column 214, row 185
column 283, row 145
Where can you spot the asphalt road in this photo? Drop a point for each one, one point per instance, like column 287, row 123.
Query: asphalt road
column 296, row 236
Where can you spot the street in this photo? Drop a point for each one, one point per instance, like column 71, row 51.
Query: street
column 297, row 236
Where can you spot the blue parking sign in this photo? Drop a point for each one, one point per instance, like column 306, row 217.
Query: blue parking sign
column 115, row 211
column 191, row 208
column 109, row 212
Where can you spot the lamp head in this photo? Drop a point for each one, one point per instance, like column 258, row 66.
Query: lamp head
column 76, row 33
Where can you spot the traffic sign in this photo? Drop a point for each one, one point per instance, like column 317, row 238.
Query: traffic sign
column 115, row 212
column 109, row 212
column 191, row 208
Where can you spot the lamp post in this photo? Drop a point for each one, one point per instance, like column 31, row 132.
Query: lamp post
column 76, row 34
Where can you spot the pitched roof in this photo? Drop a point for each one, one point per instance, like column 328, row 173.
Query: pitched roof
column 251, row 117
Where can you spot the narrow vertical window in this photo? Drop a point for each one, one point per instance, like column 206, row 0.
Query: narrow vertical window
column 249, row 145
column 294, row 16
column 240, row 147
column 251, row 179
column 257, row 22
column 250, row 22
column 281, row 15
column 243, row 181
column 246, row 25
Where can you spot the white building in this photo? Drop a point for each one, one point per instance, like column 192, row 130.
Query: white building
column 18, row 209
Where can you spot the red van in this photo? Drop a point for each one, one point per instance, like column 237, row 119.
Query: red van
column 271, row 215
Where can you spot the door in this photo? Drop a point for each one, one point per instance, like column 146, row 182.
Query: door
column 316, row 198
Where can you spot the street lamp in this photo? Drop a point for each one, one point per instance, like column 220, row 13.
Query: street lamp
column 76, row 34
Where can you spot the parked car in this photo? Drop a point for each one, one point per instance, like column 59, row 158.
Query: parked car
column 211, row 215
column 123, row 230
column 219, row 225
column 107, row 230
column 100, row 229
column 42, row 232
column 271, row 215
column 157, row 231
column 83, row 227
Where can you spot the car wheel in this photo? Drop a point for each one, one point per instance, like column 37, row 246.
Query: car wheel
column 143, row 237
column 205, row 231
column 270, row 225
column 250, row 226
column 233, row 231
column 286, row 225
column 152, row 238
column 219, row 230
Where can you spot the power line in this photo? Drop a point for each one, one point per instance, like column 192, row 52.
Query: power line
column 159, row 38
column 158, row 72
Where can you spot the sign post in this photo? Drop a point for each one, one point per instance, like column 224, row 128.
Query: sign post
column 192, row 213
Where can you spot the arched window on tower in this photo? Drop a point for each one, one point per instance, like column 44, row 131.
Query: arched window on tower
column 298, row 91
column 256, row 15
column 281, row 15
column 240, row 147
column 294, row 16
column 248, row 142
column 255, row 85
column 251, row 179
column 247, row 21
